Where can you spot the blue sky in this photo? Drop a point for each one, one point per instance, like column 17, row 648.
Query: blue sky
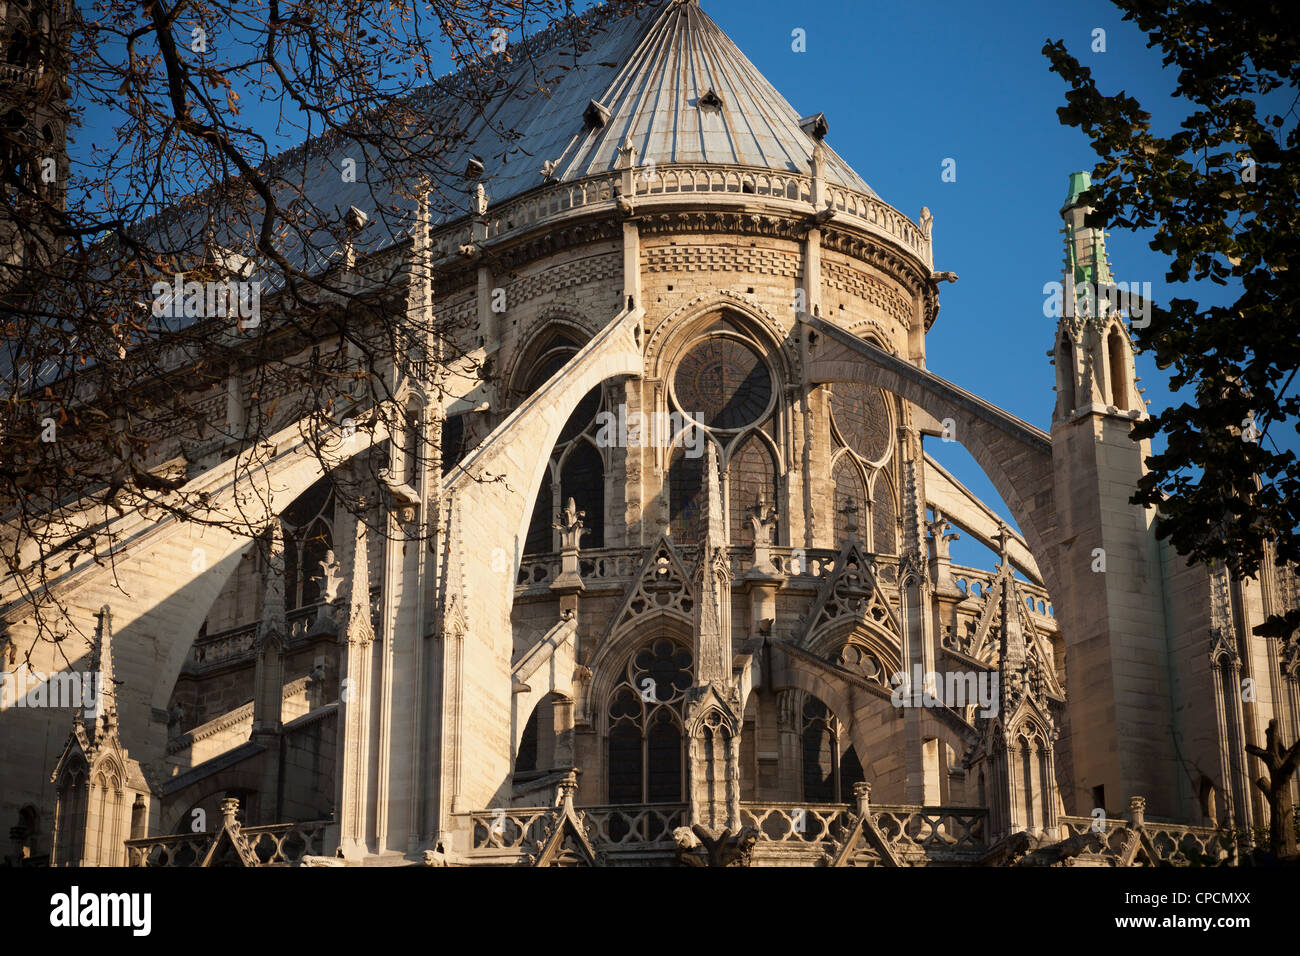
column 907, row 86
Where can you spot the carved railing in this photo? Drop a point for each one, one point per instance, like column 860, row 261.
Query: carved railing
column 527, row 211
column 662, row 180
column 915, row 833
column 820, row 563
column 1172, row 843
column 182, row 849
column 641, row 823
column 519, row 829
column 934, row 828
column 668, row 179
column 604, row 564
column 285, row 844
column 620, row 565
column 884, row 217
column 977, row 582
column 522, row 830
column 281, row 844
column 796, row 822
column 235, row 645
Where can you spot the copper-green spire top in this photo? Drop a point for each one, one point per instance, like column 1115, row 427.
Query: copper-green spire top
column 1078, row 183
column 1085, row 246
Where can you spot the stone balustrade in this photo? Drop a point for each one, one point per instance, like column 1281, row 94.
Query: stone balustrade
column 671, row 181
column 235, row 645
column 620, row 565
column 281, row 844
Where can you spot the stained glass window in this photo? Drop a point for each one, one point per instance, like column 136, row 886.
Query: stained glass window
column 685, row 485
column 582, row 475
column 723, row 380
column 308, row 536
column 454, row 440
column 862, row 418
column 540, row 532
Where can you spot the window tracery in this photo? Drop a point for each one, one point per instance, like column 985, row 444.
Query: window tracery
column 646, row 755
column 723, row 384
column 579, row 464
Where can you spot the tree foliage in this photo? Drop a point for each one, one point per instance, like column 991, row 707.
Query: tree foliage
column 1221, row 194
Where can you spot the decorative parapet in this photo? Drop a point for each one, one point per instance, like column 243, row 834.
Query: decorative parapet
column 811, row 834
column 791, row 833
column 664, row 184
column 977, row 583
column 1140, row 842
column 281, row 844
column 618, row 566
column 235, row 645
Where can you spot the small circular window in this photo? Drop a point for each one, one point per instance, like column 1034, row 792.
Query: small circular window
column 723, row 383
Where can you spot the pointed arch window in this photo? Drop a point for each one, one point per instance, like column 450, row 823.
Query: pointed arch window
column 645, row 747
column 685, row 487
column 1065, row 374
column 884, row 519
column 70, row 815
column 828, row 773
column 722, row 386
column 751, row 479
column 582, row 478
column 540, row 531
column 1119, row 387
column 575, row 458
column 308, row 537
column 850, row 501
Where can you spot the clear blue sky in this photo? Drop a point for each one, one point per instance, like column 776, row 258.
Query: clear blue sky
column 906, row 86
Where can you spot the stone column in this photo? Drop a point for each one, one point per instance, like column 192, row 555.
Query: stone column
column 352, row 767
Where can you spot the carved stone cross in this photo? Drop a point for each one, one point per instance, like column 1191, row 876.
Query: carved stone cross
column 850, row 511
column 330, row 578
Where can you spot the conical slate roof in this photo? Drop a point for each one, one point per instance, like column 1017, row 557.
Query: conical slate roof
column 673, row 85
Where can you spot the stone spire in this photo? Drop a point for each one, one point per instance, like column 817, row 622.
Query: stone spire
column 713, row 584
column 102, row 712
column 357, row 628
column 715, row 519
